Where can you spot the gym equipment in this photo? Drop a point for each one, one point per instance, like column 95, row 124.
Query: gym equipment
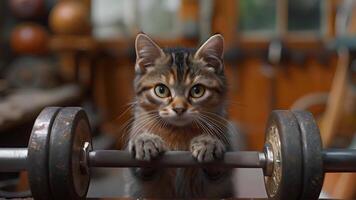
column 27, row 9
column 70, row 17
column 59, row 156
column 32, row 72
column 29, row 38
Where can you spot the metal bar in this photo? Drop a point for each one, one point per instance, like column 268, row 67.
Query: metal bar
column 13, row 159
column 339, row 160
column 113, row 158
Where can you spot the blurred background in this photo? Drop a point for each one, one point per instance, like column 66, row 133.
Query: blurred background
column 280, row 54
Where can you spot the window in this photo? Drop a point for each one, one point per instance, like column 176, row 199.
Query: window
column 125, row 17
column 271, row 18
column 112, row 18
column 159, row 17
column 304, row 15
column 257, row 15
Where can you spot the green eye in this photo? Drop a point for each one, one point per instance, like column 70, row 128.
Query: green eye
column 197, row 91
column 162, row 91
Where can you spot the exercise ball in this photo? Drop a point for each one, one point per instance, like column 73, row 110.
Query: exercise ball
column 70, row 18
column 27, row 9
column 29, row 38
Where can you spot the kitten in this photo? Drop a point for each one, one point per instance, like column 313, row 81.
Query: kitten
column 180, row 105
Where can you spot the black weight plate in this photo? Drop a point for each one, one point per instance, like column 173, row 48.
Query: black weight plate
column 69, row 133
column 313, row 174
column 37, row 156
column 283, row 135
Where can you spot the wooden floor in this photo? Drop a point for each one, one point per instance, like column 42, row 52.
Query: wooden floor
column 107, row 183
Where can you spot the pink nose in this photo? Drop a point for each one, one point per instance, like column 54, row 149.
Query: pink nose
column 179, row 110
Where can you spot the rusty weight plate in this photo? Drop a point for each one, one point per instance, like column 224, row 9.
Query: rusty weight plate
column 283, row 137
column 70, row 133
column 313, row 174
column 37, row 157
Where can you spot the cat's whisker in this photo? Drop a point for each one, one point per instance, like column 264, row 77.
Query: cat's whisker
column 216, row 130
column 144, row 124
column 210, row 132
column 233, row 129
column 212, row 113
column 195, row 123
column 201, row 126
column 137, row 125
column 123, row 128
column 130, row 121
column 205, row 129
column 153, row 125
column 162, row 123
column 156, row 123
column 144, row 120
column 221, row 134
column 214, row 121
column 129, row 107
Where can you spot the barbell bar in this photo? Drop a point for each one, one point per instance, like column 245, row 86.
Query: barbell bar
column 13, row 159
column 59, row 156
column 335, row 160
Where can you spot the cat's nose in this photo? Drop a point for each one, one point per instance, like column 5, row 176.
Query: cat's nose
column 179, row 110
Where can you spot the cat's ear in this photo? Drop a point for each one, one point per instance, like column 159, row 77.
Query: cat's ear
column 147, row 52
column 212, row 53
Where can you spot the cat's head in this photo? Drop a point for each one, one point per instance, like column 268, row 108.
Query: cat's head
column 180, row 85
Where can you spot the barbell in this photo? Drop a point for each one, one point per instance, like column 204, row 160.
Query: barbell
column 60, row 154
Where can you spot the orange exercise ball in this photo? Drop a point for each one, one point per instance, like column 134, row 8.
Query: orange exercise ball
column 29, row 38
column 70, row 18
column 26, row 9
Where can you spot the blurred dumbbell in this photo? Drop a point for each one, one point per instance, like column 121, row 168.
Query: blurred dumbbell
column 31, row 72
column 27, row 9
column 70, row 18
column 29, row 38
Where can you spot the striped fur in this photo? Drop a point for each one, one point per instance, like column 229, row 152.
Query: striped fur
column 180, row 69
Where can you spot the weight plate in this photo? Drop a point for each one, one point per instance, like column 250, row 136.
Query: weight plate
column 70, row 132
column 38, row 153
column 313, row 174
column 283, row 137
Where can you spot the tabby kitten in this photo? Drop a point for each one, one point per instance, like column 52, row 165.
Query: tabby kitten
column 179, row 105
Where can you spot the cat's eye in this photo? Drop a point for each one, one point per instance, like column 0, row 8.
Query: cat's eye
column 162, row 91
column 197, row 91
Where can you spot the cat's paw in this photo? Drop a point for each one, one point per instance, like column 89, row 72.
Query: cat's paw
column 146, row 146
column 205, row 148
